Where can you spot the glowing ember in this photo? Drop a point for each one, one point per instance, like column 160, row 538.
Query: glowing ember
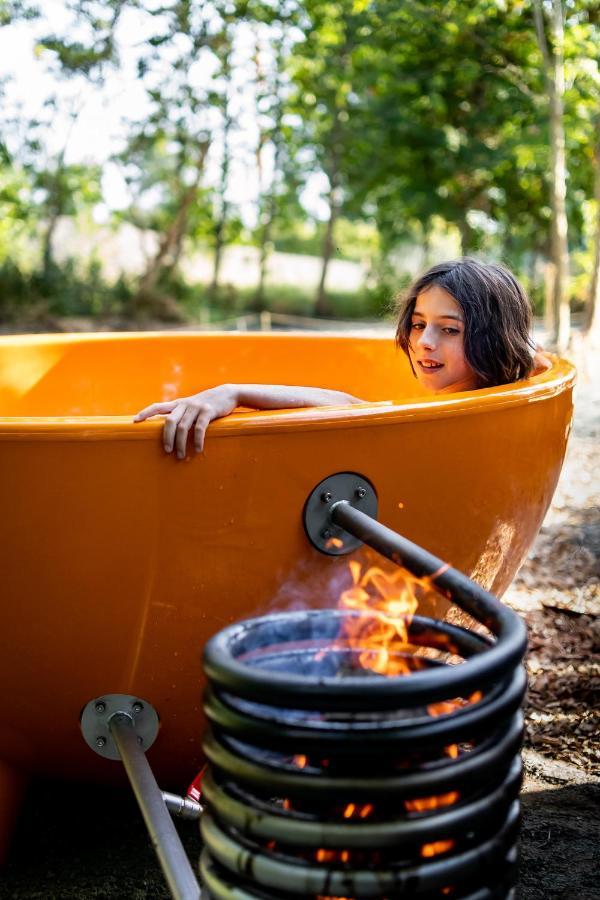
column 448, row 706
column 436, row 848
column 352, row 811
column 424, row 803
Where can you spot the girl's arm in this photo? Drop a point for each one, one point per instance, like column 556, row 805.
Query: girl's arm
column 199, row 410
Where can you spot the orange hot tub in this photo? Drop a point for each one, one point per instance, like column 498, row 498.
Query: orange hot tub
column 118, row 561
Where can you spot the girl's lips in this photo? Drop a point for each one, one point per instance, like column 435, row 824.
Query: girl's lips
column 430, row 365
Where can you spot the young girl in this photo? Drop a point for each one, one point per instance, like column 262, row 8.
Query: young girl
column 463, row 325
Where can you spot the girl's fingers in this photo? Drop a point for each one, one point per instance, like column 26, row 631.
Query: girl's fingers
column 156, row 409
column 187, row 412
column 183, row 428
column 202, row 422
column 171, row 423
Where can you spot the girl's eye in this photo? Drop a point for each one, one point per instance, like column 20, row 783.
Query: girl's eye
column 418, row 326
column 451, row 330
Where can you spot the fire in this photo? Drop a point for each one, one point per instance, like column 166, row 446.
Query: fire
column 424, row 803
column 353, row 811
column 436, row 848
column 447, row 706
column 386, row 603
column 389, row 601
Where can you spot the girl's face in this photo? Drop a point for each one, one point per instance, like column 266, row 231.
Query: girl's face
column 436, row 346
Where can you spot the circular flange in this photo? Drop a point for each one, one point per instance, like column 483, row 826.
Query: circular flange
column 349, row 487
column 96, row 716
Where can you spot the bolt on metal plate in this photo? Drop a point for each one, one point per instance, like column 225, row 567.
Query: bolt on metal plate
column 96, row 716
column 351, row 487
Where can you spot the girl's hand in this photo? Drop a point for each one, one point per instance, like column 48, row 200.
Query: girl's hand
column 196, row 412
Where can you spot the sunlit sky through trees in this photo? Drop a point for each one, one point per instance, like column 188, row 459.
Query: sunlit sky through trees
column 100, row 128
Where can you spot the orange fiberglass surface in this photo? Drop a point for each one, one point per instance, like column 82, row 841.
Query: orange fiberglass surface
column 119, row 561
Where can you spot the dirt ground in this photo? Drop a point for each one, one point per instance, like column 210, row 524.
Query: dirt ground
column 80, row 842
column 558, row 593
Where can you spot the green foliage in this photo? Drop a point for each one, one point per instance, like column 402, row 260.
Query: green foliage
column 65, row 290
column 416, row 113
column 291, row 301
column 12, row 10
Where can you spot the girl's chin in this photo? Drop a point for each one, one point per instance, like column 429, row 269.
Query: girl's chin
column 445, row 385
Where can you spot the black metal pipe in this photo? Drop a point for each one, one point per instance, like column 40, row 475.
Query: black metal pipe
column 482, row 605
column 176, row 867
column 472, row 770
column 281, row 732
column 260, row 822
column 225, row 665
column 243, row 858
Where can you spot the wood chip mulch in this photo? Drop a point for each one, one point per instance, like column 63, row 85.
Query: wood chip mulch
column 557, row 592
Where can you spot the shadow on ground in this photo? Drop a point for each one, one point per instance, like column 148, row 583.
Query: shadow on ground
column 559, row 843
column 90, row 842
column 86, row 842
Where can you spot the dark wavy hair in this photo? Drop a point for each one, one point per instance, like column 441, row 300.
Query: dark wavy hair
column 497, row 315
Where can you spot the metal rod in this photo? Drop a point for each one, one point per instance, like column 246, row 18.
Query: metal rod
column 176, row 867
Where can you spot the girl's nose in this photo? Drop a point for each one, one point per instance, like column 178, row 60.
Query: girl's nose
column 427, row 338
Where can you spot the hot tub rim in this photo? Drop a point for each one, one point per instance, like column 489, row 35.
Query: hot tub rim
column 551, row 383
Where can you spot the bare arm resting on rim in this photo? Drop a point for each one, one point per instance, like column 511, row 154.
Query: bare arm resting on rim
column 199, row 410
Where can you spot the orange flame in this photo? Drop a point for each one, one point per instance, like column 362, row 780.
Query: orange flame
column 380, row 636
column 389, row 601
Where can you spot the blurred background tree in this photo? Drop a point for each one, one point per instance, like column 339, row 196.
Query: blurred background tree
column 186, row 160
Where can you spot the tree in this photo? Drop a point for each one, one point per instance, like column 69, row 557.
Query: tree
column 270, row 105
column 165, row 154
column 591, row 325
column 554, row 70
column 322, row 70
column 222, row 100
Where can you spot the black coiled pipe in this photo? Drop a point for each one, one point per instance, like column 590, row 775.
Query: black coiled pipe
column 327, row 781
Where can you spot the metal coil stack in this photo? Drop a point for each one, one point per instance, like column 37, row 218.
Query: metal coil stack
column 329, row 781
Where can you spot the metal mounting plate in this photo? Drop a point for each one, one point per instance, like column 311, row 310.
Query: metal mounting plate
column 96, row 716
column 356, row 490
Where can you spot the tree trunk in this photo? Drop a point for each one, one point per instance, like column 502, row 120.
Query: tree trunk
column 169, row 248
column 549, row 284
column 468, row 242
column 322, row 307
column 48, row 252
column 555, row 82
column 269, row 211
column 219, row 232
column 591, row 327
column 218, row 257
column 263, row 250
